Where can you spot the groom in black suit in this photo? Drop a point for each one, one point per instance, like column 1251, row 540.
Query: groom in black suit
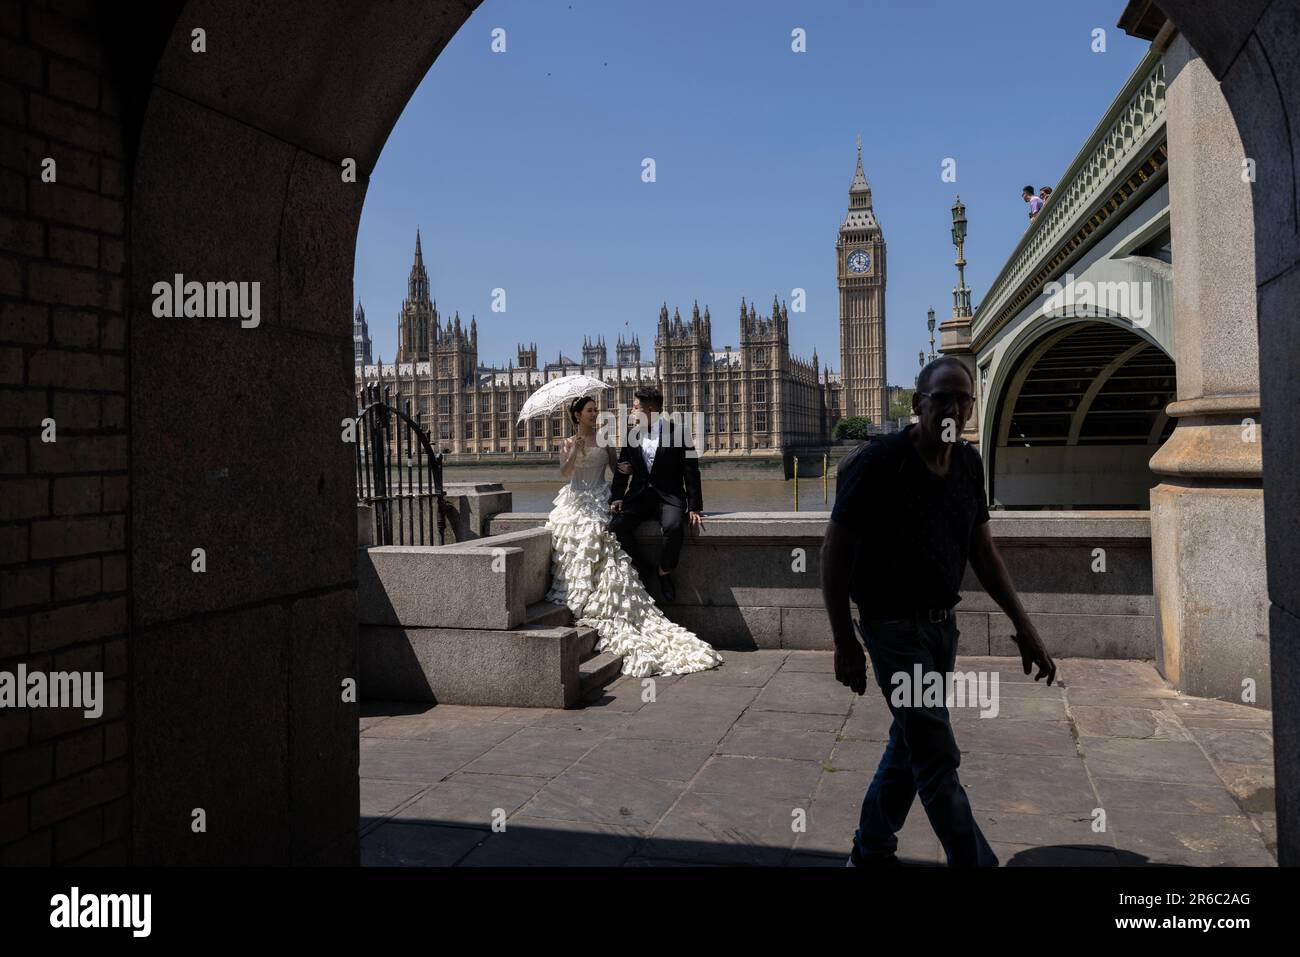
column 664, row 485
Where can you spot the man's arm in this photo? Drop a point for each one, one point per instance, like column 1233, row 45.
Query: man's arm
column 836, row 568
column 855, row 490
column 837, row 563
column 619, row 485
column 691, row 472
column 987, row 563
column 989, row 568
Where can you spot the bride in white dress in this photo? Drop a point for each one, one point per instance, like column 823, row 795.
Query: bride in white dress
column 594, row 576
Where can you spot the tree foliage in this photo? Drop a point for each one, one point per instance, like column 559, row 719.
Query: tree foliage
column 852, row 427
column 901, row 407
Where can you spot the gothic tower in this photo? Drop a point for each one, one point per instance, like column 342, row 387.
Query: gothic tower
column 417, row 325
column 360, row 337
column 593, row 353
column 628, row 353
column 860, row 271
column 681, row 352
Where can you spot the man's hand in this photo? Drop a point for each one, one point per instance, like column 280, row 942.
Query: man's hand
column 625, row 467
column 851, row 665
column 697, row 518
column 616, row 506
column 1033, row 653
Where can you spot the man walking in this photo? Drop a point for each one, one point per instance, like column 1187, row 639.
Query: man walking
column 910, row 510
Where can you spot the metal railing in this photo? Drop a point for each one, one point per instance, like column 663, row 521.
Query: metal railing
column 398, row 472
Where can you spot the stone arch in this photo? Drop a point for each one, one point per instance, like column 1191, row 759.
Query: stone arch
column 311, row 83
column 1016, row 356
column 238, row 175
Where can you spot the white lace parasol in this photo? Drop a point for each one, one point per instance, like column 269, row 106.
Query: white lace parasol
column 558, row 393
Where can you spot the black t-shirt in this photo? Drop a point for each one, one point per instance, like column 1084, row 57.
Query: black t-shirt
column 913, row 528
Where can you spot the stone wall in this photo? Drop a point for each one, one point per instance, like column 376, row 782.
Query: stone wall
column 171, row 160
column 752, row 580
column 64, row 778
column 1074, row 476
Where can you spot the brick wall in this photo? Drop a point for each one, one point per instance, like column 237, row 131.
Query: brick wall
column 64, row 779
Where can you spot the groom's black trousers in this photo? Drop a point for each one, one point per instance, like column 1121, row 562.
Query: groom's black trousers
column 644, row 508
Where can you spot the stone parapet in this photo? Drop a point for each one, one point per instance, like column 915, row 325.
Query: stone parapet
column 463, row 585
column 521, row 668
column 753, row 580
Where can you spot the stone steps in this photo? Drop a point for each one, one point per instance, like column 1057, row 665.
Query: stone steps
column 595, row 670
column 546, row 614
column 546, row 662
column 587, row 641
column 519, row 667
column 469, row 624
column 598, row 671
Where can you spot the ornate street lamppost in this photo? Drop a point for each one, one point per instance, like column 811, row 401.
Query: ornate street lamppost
column 960, row 295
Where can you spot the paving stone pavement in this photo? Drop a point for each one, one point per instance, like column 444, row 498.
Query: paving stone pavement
column 765, row 760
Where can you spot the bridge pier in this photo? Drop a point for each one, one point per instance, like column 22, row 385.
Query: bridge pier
column 1207, row 513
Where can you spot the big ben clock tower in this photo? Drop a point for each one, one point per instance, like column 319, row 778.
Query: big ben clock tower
column 860, row 271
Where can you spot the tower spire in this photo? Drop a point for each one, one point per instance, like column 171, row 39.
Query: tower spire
column 417, row 286
column 860, row 184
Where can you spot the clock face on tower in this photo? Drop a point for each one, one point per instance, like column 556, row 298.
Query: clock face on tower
column 859, row 261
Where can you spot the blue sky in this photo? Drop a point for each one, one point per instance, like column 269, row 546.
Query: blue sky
column 522, row 169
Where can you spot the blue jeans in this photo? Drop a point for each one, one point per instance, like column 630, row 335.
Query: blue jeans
column 922, row 756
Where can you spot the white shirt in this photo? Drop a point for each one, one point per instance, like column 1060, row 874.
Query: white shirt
column 650, row 444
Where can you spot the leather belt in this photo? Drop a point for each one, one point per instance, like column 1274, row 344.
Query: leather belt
column 932, row 615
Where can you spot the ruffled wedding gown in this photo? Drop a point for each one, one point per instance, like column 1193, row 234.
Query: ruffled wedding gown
column 594, row 576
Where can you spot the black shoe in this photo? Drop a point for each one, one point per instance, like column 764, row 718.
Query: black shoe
column 856, row 860
column 666, row 586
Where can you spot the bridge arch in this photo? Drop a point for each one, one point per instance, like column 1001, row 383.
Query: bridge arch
column 1076, row 410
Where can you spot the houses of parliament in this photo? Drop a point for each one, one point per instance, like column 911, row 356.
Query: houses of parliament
column 755, row 399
